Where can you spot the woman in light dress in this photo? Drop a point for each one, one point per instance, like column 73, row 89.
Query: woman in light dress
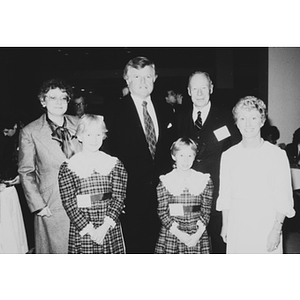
column 255, row 186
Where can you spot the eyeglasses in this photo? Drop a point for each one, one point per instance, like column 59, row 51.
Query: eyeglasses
column 63, row 99
column 79, row 104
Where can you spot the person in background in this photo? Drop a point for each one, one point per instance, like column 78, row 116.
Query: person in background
column 93, row 187
column 293, row 154
column 13, row 238
column 44, row 144
column 270, row 133
column 213, row 131
column 139, row 134
column 184, row 204
column 255, row 186
column 293, row 149
column 9, row 148
column 173, row 99
column 125, row 91
column 80, row 105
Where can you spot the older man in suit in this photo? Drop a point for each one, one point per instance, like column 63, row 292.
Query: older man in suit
column 44, row 145
column 213, row 130
column 140, row 135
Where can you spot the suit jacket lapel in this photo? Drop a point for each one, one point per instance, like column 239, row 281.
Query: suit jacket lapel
column 159, row 120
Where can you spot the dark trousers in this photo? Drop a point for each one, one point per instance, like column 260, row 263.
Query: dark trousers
column 140, row 223
column 140, row 233
column 214, row 231
column 293, row 224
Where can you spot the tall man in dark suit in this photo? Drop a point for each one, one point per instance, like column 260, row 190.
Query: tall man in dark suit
column 140, row 136
column 214, row 131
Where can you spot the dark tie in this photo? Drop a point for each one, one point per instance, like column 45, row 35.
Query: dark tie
column 198, row 122
column 64, row 138
column 149, row 130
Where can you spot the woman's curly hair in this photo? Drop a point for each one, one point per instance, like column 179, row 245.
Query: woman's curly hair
column 249, row 103
column 53, row 84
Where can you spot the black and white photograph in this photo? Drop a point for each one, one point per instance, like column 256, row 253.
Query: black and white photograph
column 138, row 138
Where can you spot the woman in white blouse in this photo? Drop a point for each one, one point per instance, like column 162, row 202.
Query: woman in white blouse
column 255, row 186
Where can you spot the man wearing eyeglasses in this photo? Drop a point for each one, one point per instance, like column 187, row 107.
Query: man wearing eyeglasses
column 80, row 106
column 44, row 145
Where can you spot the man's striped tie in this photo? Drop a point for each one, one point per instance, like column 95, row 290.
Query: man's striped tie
column 149, row 130
column 198, row 122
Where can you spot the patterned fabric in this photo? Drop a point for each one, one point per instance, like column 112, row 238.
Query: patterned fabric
column 167, row 242
column 198, row 122
column 149, row 128
column 63, row 136
column 70, row 185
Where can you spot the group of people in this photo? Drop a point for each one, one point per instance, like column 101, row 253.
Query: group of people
column 203, row 182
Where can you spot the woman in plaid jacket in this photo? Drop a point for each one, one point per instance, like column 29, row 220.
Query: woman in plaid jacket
column 184, row 204
column 93, row 187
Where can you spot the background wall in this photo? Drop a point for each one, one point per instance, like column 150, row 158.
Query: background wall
column 284, row 91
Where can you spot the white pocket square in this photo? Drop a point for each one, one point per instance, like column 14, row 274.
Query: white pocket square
column 169, row 125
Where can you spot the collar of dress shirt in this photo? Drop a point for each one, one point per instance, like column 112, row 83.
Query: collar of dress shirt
column 204, row 112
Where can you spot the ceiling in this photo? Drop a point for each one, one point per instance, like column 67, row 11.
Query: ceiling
column 101, row 58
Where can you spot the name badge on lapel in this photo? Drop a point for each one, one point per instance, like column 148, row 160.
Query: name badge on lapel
column 84, row 201
column 222, row 133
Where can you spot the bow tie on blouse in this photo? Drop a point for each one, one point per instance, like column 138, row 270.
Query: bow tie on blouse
column 64, row 138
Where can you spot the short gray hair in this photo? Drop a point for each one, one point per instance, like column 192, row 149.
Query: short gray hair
column 200, row 73
column 249, row 103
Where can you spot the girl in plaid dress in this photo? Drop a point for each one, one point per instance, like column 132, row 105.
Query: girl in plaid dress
column 184, row 204
column 93, row 187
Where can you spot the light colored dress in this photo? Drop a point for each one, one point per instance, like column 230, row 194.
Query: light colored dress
column 12, row 231
column 255, row 183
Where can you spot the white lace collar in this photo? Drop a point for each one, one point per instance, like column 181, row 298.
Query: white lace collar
column 84, row 166
column 176, row 184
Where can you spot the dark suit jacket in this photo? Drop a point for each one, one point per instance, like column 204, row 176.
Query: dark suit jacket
column 126, row 140
column 209, row 148
column 292, row 153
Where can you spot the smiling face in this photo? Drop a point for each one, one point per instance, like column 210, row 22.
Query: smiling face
column 56, row 102
column 184, row 158
column 92, row 138
column 249, row 123
column 141, row 81
column 200, row 89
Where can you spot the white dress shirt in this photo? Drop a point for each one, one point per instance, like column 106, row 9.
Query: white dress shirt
column 139, row 107
column 204, row 112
